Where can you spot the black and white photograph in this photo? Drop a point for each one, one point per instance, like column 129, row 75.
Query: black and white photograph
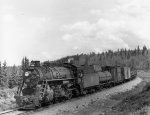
column 74, row 57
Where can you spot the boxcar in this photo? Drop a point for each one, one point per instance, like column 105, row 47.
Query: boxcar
column 112, row 71
column 118, row 73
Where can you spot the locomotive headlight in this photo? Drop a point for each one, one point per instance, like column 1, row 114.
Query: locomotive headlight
column 26, row 74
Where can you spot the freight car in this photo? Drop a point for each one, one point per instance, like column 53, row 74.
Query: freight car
column 47, row 84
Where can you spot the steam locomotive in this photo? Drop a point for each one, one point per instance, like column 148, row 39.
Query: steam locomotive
column 43, row 84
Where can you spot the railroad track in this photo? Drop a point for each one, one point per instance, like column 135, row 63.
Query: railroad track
column 7, row 112
column 15, row 111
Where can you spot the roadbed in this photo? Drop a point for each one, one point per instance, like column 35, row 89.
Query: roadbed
column 89, row 104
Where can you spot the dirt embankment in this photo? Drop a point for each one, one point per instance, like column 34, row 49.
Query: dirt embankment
column 136, row 101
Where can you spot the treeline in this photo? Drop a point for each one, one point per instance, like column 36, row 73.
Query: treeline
column 3, row 73
column 138, row 58
column 11, row 76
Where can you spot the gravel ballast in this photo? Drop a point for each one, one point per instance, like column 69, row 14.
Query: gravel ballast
column 78, row 104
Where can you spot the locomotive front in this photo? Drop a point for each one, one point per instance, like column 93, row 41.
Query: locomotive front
column 28, row 92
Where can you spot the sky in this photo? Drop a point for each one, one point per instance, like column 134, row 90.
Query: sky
column 51, row 29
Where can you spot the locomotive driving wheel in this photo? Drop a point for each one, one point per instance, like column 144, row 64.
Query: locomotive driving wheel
column 68, row 94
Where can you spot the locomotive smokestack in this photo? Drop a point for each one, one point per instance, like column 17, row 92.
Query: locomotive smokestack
column 35, row 64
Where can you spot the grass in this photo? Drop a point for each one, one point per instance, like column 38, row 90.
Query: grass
column 133, row 103
column 6, row 98
column 133, row 100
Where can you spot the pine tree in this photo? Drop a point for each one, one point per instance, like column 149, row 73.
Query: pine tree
column 3, row 79
column 25, row 63
column 144, row 51
column 1, row 76
column 138, row 50
column 13, row 81
column 4, row 69
column 0, row 69
column 14, row 71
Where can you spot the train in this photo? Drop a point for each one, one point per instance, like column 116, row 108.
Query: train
column 43, row 84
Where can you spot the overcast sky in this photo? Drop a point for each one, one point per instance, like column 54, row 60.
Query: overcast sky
column 51, row 29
